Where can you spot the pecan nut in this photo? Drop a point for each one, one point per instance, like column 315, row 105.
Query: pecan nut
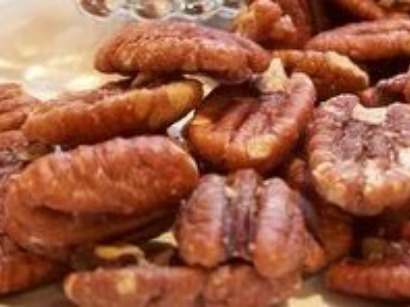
column 359, row 156
column 124, row 176
column 367, row 41
column 332, row 74
column 99, row 115
column 177, row 47
column 243, row 217
column 375, row 9
column 15, row 106
column 239, row 128
column 387, row 91
column 384, row 275
column 75, row 235
column 177, row 286
column 263, row 22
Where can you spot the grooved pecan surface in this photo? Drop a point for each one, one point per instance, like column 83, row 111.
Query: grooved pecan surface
column 14, row 106
column 235, row 128
column 30, row 228
column 177, row 286
column 387, row 91
column 168, row 47
column 384, row 275
column 263, row 22
column 242, row 217
column 367, row 41
column 331, row 73
column 359, row 157
column 124, row 176
column 99, row 115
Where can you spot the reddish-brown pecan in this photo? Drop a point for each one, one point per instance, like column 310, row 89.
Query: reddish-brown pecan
column 19, row 269
column 375, row 9
column 387, row 91
column 359, row 157
column 124, row 176
column 383, row 274
column 99, row 115
column 170, row 46
column 331, row 229
column 263, row 22
column 332, row 74
column 299, row 11
column 367, row 41
column 73, row 235
column 366, row 9
column 238, row 127
column 242, row 217
column 15, row 105
column 177, row 286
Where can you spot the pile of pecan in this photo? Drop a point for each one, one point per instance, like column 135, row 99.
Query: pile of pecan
column 296, row 161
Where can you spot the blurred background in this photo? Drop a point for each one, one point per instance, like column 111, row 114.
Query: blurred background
column 49, row 46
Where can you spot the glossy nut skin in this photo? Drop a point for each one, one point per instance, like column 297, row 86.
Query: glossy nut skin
column 177, row 286
column 332, row 74
column 242, row 217
column 163, row 47
column 99, row 115
column 359, row 156
column 367, row 41
column 386, row 276
column 140, row 175
column 235, row 128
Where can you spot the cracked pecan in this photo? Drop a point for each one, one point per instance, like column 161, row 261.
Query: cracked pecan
column 359, row 157
column 331, row 73
column 387, row 91
column 384, row 273
column 367, row 41
column 168, row 47
column 237, row 127
column 177, row 286
column 242, row 217
column 99, row 115
column 122, row 176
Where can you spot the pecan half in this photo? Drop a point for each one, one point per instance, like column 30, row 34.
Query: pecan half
column 332, row 74
column 375, row 9
column 237, row 127
column 242, row 217
column 124, row 176
column 387, row 91
column 170, row 46
column 367, row 41
column 177, row 286
column 385, row 274
column 263, row 22
column 99, row 115
column 15, row 105
column 74, row 235
column 359, row 157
